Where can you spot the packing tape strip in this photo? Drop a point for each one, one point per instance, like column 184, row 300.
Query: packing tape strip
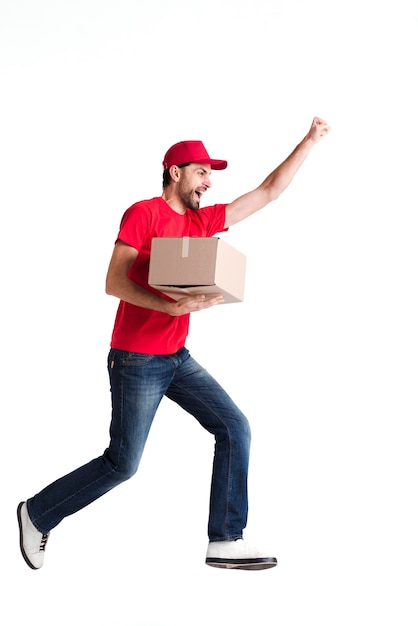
column 185, row 247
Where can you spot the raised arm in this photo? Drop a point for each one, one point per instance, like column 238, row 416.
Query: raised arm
column 276, row 182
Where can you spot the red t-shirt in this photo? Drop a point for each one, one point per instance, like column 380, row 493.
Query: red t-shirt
column 142, row 330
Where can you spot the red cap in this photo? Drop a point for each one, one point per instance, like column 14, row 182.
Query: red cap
column 190, row 152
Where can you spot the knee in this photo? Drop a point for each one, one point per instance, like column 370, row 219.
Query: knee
column 125, row 472
column 245, row 436
column 236, row 432
column 121, row 470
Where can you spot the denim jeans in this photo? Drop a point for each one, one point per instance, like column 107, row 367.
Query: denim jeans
column 138, row 383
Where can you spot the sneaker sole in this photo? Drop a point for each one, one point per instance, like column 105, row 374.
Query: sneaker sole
column 245, row 564
column 19, row 519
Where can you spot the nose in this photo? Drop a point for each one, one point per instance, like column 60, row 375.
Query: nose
column 207, row 182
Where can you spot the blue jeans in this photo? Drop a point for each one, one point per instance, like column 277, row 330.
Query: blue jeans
column 138, row 383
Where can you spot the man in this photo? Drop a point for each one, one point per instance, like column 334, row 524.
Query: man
column 148, row 360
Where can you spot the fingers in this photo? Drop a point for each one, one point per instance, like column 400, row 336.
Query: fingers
column 320, row 125
column 204, row 302
column 189, row 304
column 318, row 129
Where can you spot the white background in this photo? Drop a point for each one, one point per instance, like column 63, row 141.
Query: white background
column 321, row 356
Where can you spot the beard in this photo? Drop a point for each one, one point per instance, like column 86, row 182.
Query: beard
column 189, row 197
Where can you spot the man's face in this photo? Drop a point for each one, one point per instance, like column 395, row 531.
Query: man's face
column 194, row 181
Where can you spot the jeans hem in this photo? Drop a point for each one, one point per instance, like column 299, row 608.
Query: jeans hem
column 230, row 538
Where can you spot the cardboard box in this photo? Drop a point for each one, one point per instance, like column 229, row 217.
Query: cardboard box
column 181, row 266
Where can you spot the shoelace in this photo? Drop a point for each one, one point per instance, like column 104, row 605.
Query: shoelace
column 43, row 543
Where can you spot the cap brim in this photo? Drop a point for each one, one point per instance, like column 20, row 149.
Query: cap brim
column 215, row 163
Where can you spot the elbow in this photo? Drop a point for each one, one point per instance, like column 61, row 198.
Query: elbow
column 268, row 193
column 110, row 287
column 272, row 193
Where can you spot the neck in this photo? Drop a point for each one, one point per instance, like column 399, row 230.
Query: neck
column 174, row 202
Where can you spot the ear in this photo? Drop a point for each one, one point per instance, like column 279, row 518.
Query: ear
column 175, row 173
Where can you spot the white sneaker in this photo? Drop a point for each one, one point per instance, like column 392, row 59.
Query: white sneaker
column 237, row 555
column 32, row 542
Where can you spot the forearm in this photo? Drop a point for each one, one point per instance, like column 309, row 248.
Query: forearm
column 282, row 176
column 128, row 291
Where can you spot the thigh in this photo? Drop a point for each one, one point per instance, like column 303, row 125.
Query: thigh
column 198, row 393
column 138, row 383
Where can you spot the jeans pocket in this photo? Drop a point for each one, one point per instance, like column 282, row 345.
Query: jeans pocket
column 136, row 358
